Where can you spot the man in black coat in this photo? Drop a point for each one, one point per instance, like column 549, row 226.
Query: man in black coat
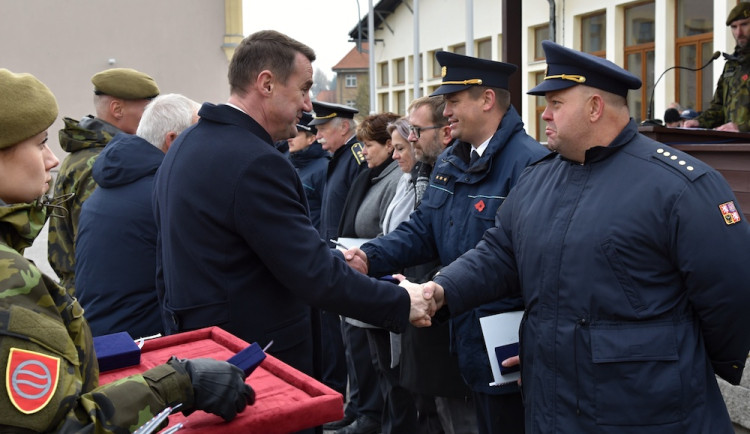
column 237, row 247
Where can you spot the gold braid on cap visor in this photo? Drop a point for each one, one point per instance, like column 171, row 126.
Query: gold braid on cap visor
column 576, row 78
column 331, row 116
column 465, row 82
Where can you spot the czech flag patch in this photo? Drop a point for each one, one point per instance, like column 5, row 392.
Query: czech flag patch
column 31, row 379
column 730, row 213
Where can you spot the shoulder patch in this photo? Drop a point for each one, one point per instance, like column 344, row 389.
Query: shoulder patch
column 31, row 379
column 729, row 213
column 681, row 162
column 357, row 152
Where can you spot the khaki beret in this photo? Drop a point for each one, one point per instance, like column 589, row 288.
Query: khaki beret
column 125, row 83
column 27, row 107
column 739, row 12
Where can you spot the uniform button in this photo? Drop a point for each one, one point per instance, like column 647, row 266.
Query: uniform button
column 674, row 157
column 682, row 162
column 667, row 154
column 690, row 168
column 660, row 150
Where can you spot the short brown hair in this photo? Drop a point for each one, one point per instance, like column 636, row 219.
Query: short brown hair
column 266, row 49
column 375, row 127
column 436, row 104
column 502, row 96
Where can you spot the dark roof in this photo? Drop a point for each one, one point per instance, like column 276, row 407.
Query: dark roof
column 380, row 11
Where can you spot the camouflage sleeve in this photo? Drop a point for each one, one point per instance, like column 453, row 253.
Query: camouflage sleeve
column 50, row 369
column 74, row 177
column 713, row 116
column 126, row 404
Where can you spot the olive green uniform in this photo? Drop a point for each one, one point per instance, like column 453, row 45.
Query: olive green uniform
column 84, row 140
column 42, row 326
column 731, row 101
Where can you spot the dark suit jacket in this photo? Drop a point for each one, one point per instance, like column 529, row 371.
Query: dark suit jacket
column 238, row 249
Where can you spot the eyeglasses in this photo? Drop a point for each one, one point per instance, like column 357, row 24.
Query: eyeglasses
column 418, row 130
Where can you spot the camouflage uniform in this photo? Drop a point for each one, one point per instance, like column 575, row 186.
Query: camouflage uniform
column 731, row 102
column 47, row 349
column 84, row 140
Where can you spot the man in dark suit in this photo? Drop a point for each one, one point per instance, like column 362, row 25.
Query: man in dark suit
column 237, row 247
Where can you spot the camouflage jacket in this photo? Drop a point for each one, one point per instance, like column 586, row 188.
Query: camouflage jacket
column 731, row 101
column 84, row 140
column 51, row 373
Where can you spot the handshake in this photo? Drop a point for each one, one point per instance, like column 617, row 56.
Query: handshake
column 426, row 298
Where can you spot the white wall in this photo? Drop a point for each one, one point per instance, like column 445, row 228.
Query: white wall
column 64, row 43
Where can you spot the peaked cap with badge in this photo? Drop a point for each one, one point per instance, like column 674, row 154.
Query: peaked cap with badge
column 304, row 124
column 125, row 83
column 325, row 111
column 461, row 72
column 567, row 67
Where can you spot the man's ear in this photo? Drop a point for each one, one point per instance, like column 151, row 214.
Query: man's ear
column 595, row 107
column 117, row 108
column 168, row 140
column 445, row 135
column 265, row 82
column 488, row 101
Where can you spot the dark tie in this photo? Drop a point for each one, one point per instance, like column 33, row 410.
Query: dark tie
column 474, row 157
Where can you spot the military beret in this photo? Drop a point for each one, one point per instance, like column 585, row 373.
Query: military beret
column 304, row 124
column 567, row 68
column 124, row 83
column 325, row 111
column 27, row 107
column 739, row 12
column 459, row 72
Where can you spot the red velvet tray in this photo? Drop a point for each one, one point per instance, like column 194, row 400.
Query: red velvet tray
column 286, row 400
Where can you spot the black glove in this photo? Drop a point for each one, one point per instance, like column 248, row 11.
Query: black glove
column 218, row 387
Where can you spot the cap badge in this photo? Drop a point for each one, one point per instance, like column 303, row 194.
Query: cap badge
column 443, row 71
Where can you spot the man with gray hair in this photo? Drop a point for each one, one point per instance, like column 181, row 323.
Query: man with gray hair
column 116, row 243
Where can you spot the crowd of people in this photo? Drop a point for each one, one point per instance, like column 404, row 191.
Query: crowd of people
column 627, row 257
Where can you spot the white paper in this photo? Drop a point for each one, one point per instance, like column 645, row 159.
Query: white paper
column 350, row 243
column 500, row 329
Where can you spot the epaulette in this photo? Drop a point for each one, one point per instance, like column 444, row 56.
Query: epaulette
column 356, row 149
column 687, row 165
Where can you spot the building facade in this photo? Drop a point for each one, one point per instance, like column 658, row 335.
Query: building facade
column 645, row 37
column 352, row 79
column 65, row 43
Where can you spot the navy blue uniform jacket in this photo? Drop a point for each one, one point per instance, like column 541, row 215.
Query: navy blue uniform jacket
column 116, row 241
column 458, row 206
column 311, row 164
column 238, row 248
column 347, row 162
column 634, row 271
